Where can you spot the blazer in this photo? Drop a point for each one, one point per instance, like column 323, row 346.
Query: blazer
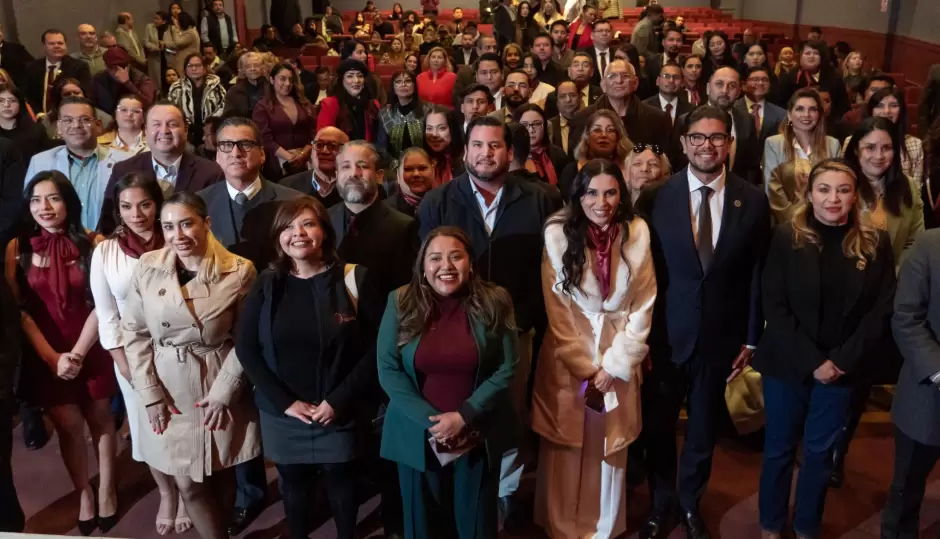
column 386, row 242
column 108, row 91
column 195, row 174
column 791, row 298
column 179, row 345
column 185, row 42
column 132, row 44
column 779, row 181
column 303, row 182
column 791, row 81
column 644, row 123
column 457, row 55
column 903, row 229
column 551, row 102
column 397, row 202
column 770, row 124
column 654, row 65
column 587, row 332
column 747, row 154
column 14, row 58
column 706, row 314
column 242, row 97
column 255, row 242
column 489, row 409
column 683, row 106
column 916, row 315
column 331, row 114
column 592, row 50
column 34, row 82
column 509, row 255
column 559, row 160
column 278, row 131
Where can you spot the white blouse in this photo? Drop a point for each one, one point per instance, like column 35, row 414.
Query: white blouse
column 111, row 273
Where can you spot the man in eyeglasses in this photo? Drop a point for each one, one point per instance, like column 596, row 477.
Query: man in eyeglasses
column 320, row 181
column 671, row 98
column 86, row 164
column 708, row 317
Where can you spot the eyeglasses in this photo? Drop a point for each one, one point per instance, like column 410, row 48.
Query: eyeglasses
column 642, row 147
column 124, row 110
column 327, row 146
column 404, row 82
column 533, row 125
column 759, row 80
column 84, row 121
column 245, row 146
column 717, row 140
column 8, row 101
column 194, row 66
column 622, row 77
column 664, row 76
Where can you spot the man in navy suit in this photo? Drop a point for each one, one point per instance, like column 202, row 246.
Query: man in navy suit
column 710, row 232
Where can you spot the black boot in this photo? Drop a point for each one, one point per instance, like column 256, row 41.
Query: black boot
column 837, row 477
column 35, row 435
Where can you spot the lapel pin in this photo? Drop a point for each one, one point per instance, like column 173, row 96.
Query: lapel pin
column 737, row 203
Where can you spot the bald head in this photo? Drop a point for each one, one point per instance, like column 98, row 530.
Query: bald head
column 326, row 146
column 723, row 88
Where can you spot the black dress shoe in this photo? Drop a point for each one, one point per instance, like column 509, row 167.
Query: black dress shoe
column 837, row 477
column 241, row 520
column 658, row 526
column 35, row 435
column 694, row 526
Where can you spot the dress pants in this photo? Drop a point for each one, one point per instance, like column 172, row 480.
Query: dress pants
column 297, row 487
column 913, row 462
column 814, row 412
column 580, row 492
column 12, row 518
column 457, row 501
column 701, row 383
column 514, row 461
column 251, row 483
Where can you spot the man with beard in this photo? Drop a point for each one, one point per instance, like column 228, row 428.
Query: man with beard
column 320, row 181
column 707, row 318
column 466, row 53
column 744, row 153
column 672, row 42
column 561, row 53
column 568, row 101
column 516, row 93
column 476, row 101
column 671, row 97
column 415, row 179
column 504, row 221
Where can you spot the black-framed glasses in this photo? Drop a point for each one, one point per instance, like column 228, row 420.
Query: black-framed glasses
column 717, row 139
column 245, row 146
column 642, row 147
column 320, row 146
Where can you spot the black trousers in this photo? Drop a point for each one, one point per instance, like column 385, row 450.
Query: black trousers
column 297, row 488
column 12, row 518
column 701, row 384
column 913, row 462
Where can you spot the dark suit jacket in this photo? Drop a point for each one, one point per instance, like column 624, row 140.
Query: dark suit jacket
column 748, row 153
column 709, row 314
column 256, row 242
column 654, row 64
column 791, row 81
column 503, row 27
column 916, row 408
column 683, row 106
column 303, row 182
column 36, row 77
column 596, row 79
column 108, row 91
column 195, row 174
column 788, row 350
column 553, row 74
column 644, row 123
column 551, row 102
column 385, row 241
column 773, row 117
column 14, row 58
column 554, row 131
column 457, row 54
column 397, row 202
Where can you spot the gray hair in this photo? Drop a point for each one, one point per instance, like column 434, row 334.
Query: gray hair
column 362, row 144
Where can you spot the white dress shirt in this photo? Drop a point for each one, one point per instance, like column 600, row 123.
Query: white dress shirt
column 498, row 100
column 488, row 212
column 467, row 54
column 607, row 58
column 716, row 203
column 674, row 102
column 249, row 191
column 166, row 176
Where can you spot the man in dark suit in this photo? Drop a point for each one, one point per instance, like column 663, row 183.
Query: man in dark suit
column 916, row 408
column 42, row 73
column 549, row 72
column 672, row 42
column 504, row 23
column 708, row 316
column 601, row 55
column 581, row 71
column 465, row 51
column 642, row 122
column 755, row 103
column 14, row 58
column 320, row 181
column 745, row 152
column 176, row 169
column 671, row 98
column 568, row 102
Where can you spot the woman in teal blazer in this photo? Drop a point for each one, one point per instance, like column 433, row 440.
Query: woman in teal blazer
column 446, row 353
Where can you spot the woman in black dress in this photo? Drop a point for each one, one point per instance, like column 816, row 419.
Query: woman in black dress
column 307, row 342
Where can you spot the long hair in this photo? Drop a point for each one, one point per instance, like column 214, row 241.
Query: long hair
column 506, row 49
column 23, row 118
column 209, row 271
column 900, row 126
column 532, row 107
column 448, row 66
column 296, row 91
column 819, row 145
column 456, row 131
column 861, row 241
column 145, row 180
column 727, row 59
column 575, row 223
column 623, row 147
column 846, row 71
column 289, row 210
column 73, row 220
column 485, row 302
column 897, row 186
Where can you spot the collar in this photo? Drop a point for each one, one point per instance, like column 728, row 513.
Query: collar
column 165, row 259
column 249, row 191
column 121, row 145
column 586, row 90
column 562, row 121
column 750, row 104
column 81, row 160
column 663, row 101
column 481, row 199
column 57, row 65
column 171, row 170
column 799, row 149
column 694, row 183
column 605, row 51
column 320, row 180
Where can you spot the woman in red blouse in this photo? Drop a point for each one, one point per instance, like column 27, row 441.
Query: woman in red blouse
column 287, row 122
column 436, row 81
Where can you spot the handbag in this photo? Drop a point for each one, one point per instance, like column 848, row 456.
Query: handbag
column 744, row 396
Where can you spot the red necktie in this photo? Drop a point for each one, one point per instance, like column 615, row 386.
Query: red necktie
column 755, row 111
column 669, row 111
column 50, row 80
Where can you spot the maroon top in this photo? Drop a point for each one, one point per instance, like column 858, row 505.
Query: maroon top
column 446, row 359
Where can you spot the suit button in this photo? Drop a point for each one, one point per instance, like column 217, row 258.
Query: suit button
column 165, row 324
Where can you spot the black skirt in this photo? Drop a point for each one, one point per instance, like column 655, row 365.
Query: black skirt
column 288, row 440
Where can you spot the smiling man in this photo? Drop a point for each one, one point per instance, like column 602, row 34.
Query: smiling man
column 320, row 181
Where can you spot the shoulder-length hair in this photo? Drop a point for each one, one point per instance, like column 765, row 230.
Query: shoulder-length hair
column 209, row 270
column 145, row 180
column 624, row 145
column 426, row 64
column 289, row 210
column 575, row 223
column 861, row 242
column 897, row 186
column 297, row 87
column 532, row 107
column 72, row 225
column 901, row 125
column 819, row 146
column 409, row 54
column 845, row 63
column 456, row 131
column 485, row 302
column 506, row 52
column 23, row 117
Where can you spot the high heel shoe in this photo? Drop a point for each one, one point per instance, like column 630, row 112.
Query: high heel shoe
column 106, row 523
column 87, row 527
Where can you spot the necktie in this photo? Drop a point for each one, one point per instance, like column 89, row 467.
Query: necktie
column 50, row 80
column 603, row 62
column 705, row 247
column 351, row 226
column 669, row 111
column 755, row 111
column 241, row 199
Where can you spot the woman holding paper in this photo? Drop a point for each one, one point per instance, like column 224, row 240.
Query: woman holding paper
column 599, row 288
column 446, row 353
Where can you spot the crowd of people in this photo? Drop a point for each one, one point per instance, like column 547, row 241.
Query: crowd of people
column 525, row 254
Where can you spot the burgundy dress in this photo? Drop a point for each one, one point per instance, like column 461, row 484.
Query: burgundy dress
column 62, row 328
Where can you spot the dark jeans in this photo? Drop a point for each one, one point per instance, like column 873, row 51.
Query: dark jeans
column 12, row 518
column 913, row 462
column 814, row 412
column 250, row 484
column 297, row 488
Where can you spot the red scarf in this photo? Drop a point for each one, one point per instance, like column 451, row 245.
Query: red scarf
column 133, row 245
column 810, row 81
column 602, row 241
column 61, row 251
column 543, row 164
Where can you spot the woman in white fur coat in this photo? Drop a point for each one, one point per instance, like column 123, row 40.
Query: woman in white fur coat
column 599, row 287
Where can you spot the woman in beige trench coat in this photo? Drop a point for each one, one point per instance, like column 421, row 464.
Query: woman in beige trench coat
column 599, row 288
column 181, row 308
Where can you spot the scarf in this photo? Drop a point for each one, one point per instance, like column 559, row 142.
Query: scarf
column 602, row 241
column 410, row 200
column 543, row 164
column 133, row 245
column 810, row 81
column 60, row 250
column 355, row 119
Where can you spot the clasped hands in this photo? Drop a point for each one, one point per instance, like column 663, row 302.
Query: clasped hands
column 218, row 416
column 828, row 373
column 450, row 430
column 321, row 413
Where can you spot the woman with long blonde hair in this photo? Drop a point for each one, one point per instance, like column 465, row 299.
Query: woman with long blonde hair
column 603, row 138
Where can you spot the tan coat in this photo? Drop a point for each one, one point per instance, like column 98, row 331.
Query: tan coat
column 185, row 42
column 587, row 332
column 179, row 346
